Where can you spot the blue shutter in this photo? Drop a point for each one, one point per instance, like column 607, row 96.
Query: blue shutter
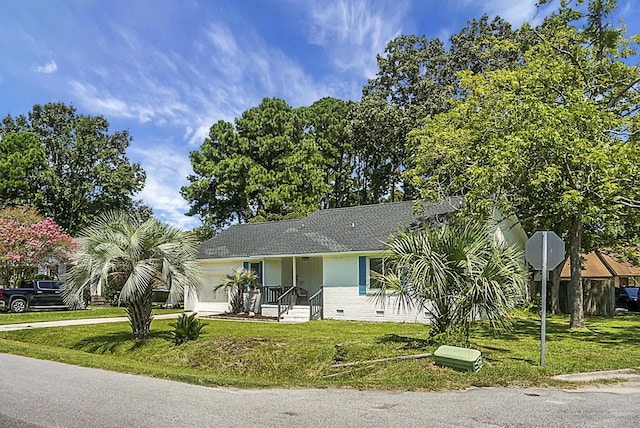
column 245, row 265
column 362, row 275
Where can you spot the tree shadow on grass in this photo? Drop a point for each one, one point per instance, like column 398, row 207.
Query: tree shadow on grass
column 499, row 353
column 405, row 341
column 109, row 343
column 626, row 335
column 603, row 332
column 558, row 329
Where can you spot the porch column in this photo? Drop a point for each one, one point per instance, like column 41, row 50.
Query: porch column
column 295, row 273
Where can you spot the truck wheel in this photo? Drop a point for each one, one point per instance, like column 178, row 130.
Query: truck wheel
column 18, row 305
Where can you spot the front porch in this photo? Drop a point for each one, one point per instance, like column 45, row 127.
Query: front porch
column 291, row 304
column 291, row 287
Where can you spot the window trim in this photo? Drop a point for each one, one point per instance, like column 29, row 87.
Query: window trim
column 371, row 289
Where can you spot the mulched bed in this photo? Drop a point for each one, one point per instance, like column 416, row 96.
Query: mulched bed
column 243, row 317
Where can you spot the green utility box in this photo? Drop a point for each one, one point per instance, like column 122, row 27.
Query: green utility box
column 468, row 360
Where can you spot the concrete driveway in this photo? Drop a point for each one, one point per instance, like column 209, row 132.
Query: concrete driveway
column 24, row 326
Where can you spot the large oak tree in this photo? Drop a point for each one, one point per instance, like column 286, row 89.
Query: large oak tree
column 86, row 168
column 22, row 161
column 553, row 140
column 416, row 78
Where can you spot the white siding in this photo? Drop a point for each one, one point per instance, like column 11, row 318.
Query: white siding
column 508, row 230
column 343, row 301
column 272, row 272
column 340, row 270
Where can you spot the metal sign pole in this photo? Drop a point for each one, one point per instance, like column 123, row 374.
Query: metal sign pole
column 544, row 297
column 551, row 256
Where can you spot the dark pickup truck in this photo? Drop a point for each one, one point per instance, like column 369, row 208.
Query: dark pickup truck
column 34, row 294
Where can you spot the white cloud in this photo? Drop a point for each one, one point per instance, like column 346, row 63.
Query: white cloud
column 152, row 103
column 187, row 133
column 48, row 68
column 104, row 103
column 223, row 74
column 167, row 170
column 516, row 12
column 222, row 39
column 354, row 32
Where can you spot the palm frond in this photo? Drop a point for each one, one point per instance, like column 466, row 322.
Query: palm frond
column 133, row 256
column 455, row 273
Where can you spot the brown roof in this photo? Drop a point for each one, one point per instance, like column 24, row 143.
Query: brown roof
column 617, row 268
column 599, row 265
column 592, row 267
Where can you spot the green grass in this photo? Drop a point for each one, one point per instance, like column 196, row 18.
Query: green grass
column 243, row 354
column 29, row 317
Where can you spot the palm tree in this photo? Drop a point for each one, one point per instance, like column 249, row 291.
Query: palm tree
column 132, row 255
column 456, row 274
column 236, row 282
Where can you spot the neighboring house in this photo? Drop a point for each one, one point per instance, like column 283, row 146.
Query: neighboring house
column 601, row 273
column 324, row 259
column 54, row 268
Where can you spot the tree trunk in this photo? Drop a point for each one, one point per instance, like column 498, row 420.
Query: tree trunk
column 575, row 286
column 139, row 313
column 237, row 300
column 555, row 290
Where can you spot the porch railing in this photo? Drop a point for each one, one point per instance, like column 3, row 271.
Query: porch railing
column 286, row 301
column 270, row 294
column 315, row 306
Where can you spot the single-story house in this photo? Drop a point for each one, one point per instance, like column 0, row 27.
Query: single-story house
column 319, row 266
column 601, row 273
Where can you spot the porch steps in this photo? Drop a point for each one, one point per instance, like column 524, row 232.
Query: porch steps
column 297, row 314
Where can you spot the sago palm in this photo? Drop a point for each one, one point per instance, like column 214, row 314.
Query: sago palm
column 132, row 255
column 456, row 273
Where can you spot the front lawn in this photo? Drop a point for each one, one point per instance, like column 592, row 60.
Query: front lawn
column 249, row 354
column 51, row 315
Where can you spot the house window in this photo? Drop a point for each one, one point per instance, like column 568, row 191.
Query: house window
column 257, row 268
column 376, row 266
column 254, row 267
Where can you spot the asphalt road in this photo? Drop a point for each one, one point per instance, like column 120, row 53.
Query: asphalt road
column 48, row 394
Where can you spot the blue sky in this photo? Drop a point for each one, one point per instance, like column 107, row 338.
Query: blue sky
column 166, row 70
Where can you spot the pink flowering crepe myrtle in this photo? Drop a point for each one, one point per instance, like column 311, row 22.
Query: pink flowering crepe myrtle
column 24, row 247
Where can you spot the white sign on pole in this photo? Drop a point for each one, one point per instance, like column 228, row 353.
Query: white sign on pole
column 544, row 251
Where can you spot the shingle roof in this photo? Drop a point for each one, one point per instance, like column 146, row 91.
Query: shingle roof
column 592, row 267
column 360, row 228
column 619, row 268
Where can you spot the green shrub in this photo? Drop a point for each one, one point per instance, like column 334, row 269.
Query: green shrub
column 530, row 307
column 186, row 328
